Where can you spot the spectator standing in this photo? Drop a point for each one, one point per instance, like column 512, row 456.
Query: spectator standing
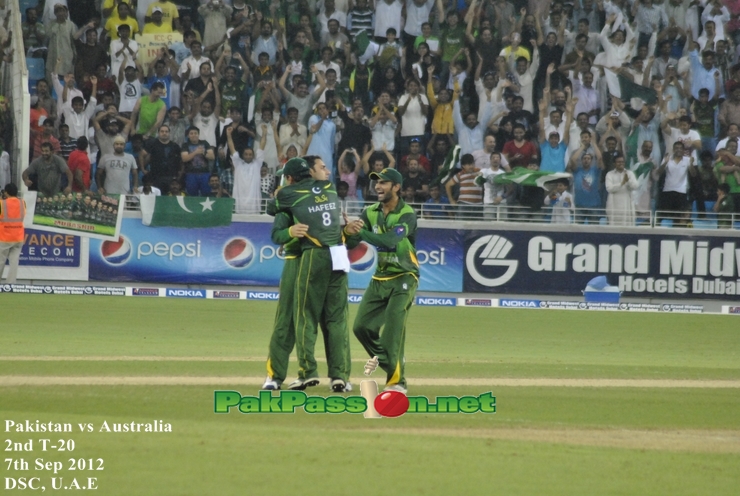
column 300, row 99
column 247, row 180
column 34, row 33
column 470, row 132
column 12, row 232
column 413, row 108
column 470, row 197
column 115, row 171
column 61, row 42
column 77, row 116
column 67, row 144
column 673, row 197
column 586, row 169
column 79, row 165
column 197, row 156
column 216, row 15
column 520, row 152
column 48, row 169
column 321, row 134
column 162, row 156
column 90, row 54
column 620, row 183
column 387, row 15
column 561, row 202
column 150, row 111
column 123, row 49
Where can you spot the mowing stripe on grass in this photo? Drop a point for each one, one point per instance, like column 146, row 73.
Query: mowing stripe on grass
column 700, row 441
column 125, row 358
column 20, row 380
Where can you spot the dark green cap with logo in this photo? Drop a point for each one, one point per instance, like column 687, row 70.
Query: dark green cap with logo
column 294, row 167
column 388, row 174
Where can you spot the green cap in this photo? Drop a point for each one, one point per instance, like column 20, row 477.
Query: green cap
column 294, row 167
column 388, row 174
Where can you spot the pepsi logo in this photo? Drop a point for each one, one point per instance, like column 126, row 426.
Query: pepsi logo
column 362, row 257
column 116, row 252
column 239, row 252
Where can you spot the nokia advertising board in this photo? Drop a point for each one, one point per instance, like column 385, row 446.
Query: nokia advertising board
column 641, row 265
column 243, row 254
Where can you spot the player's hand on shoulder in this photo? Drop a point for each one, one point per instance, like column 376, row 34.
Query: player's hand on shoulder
column 298, row 230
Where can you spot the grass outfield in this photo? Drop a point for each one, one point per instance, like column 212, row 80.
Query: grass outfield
column 542, row 440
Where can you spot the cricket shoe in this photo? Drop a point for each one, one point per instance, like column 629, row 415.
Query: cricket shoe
column 371, row 365
column 338, row 385
column 270, row 384
column 301, row 384
column 348, row 387
column 396, row 387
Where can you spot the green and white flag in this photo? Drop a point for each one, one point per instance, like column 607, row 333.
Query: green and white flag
column 185, row 211
column 625, row 90
column 448, row 167
column 526, row 177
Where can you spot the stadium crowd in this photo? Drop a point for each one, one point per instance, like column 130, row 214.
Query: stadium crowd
column 632, row 105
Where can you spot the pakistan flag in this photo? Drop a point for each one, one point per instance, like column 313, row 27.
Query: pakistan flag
column 185, row 211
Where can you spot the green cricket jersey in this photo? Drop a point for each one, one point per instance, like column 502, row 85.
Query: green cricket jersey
column 280, row 233
column 394, row 237
column 316, row 204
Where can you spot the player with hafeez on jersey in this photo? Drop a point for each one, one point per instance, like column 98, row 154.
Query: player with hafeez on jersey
column 389, row 225
column 321, row 282
column 282, row 340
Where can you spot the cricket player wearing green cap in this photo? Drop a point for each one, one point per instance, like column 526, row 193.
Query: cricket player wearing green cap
column 282, row 340
column 389, row 225
column 320, row 289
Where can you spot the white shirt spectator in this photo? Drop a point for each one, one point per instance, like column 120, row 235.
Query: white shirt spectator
column 155, row 191
column 686, row 139
column 194, row 67
column 130, row 92
column 78, row 123
column 413, row 121
column 719, row 20
column 676, row 175
column 340, row 16
column 388, row 16
column 384, row 134
column 247, row 183
column 115, row 62
column 416, row 15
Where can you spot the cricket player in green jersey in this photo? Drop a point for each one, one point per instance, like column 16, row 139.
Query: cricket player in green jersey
column 283, row 335
column 320, row 291
column 390, row 226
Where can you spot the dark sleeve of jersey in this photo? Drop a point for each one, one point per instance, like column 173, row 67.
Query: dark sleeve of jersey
column 281, row 204
column 406, row 227
column 280, row 229
column 270, row 208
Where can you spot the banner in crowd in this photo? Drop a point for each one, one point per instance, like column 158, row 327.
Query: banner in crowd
column 151, row 44
column 84, row 214
column 564, row 263
column 243, row 254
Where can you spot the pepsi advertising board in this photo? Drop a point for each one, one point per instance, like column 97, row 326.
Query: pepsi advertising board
column 640, row 265
column 243, row 254
column 440, row 258
column 238, row 254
